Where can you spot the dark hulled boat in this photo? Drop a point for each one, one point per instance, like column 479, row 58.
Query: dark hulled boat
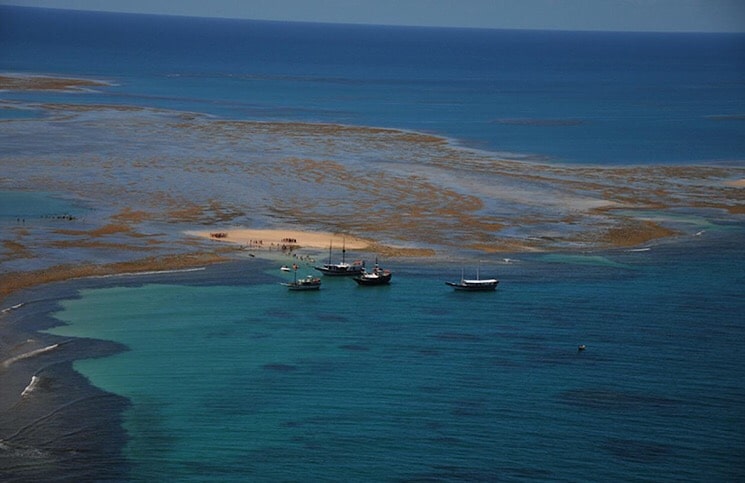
column 377, row 276
column 343, row 268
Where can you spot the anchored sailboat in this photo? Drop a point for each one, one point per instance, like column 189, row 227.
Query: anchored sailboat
column 343, row 268
column 308, row 283
column 474, row 285
column 378, row 276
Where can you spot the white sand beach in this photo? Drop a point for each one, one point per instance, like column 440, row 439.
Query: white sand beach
column 266, row 238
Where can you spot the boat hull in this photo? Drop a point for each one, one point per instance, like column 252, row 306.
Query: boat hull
column 474, row 287
column 307, row 283
column 335, row 271
column 302, row 287
column 383, row 279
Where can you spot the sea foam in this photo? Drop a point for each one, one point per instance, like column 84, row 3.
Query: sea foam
column 8, row 362
column 31, row 386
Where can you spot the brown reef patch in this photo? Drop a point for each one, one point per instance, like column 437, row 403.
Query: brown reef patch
column 132, row 216
column 212, row 212
column 13, row 282
column 16, row 250
column 45, row 83
column 637, row 232
column 96, row 244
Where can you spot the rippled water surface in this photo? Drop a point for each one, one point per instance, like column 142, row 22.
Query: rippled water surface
column 415, row 381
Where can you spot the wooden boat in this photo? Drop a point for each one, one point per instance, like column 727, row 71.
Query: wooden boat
column 343, row 268
column 377, row 276
column 474, row 285
column 308, row 283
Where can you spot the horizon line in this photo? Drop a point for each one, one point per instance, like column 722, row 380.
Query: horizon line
column 364, row 24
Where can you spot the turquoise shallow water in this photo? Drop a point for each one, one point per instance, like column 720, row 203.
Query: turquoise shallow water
column 414, row 381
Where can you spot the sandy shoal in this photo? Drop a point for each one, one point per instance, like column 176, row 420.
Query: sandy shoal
column 278, row 237
column 30, row 82
column 16, row 281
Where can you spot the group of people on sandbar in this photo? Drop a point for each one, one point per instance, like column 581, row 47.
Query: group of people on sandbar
column 22, row 220
column 287, row 244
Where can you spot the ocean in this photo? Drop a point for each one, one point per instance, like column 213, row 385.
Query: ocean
column 223, row 375
column 416, row 382
column 576, row 97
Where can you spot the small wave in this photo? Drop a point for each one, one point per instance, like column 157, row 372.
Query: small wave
column 150, row 272
column 31, row 386
column 726, row 117
column 595, row 260
column 278, row 367
column 8, row 362
column 12, row 307
column 639, row 250
column 12, row 450
column 539, row 122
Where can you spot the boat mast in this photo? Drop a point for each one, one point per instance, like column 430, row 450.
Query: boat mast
column 343, row 249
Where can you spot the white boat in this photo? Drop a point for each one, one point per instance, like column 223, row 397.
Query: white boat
column 474, row 285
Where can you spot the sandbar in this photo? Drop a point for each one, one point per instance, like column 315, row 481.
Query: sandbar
column 266, row 238
column 23, row 82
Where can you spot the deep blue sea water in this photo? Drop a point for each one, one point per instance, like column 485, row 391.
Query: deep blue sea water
column 237, row 379
column 577, row 97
